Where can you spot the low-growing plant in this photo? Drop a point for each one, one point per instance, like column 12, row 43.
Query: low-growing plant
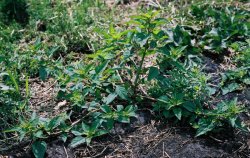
column 36, row 60
column 107, row 87
column 223, row 113
column 222, row 25
column 236, row 79
column 38, row 128
column 181, row 96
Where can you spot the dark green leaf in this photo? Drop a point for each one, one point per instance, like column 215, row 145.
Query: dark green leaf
column 190, row 106
column 153, row 72
column 97, row 123
column 164, row 99
column 85, row 127
column 121, row 92
column 177, row 113
column 100, row 133
column 230, row 88
column 141, row 38
column 54, row 122
column 123, row 119
column 110, row 98
column 76, row 133
column 64, row 137
column 99, row 69
column 77, row 141
column 39, row 149
column 240, row 125
column 204, row 127
column 106, row 109
column 120, row 107
column 39, row 134
column 43, row 73
column 246, row 81
column 88, row 140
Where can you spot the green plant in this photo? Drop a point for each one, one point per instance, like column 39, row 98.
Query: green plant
column 11, row 101
column 139, row 41
column 14, row 10
column 35, row 60
column 181, row 96
column 88, row 131
column 223, row 113
column 184, row 88
column 151, row 59
column 92, row 89
column 242, row 50
column 236, row 79
column 37, row 128
column 221, row 25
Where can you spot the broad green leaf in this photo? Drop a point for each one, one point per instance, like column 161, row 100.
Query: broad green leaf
column 39, row 134
column 163, row 99
column 166, row 113
column 230, row 88
column 106, row 109
column 232, row 121
column 22, row 134
column 77, row 141
column 88, row 140
column 100, row 133
column 121, row 92
column 190, row 106
column 164, row 51
column 120, row 107
column 211, row 91
column 240, row 125
column 110, row 98
column 85, row 127
column 131, row 110
column 39, row 148
column 123, row 119
column 76, row 133
column 54, row 122
column 64, row 137
column 99, row 70
column 141, row 38
column 153, row 72
column 160, row 21
column 43, row 73
column 204, row 127
column 97, row 123
column 177, row 113
column 247, row 81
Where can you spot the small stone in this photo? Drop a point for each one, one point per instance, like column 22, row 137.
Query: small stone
column 60, row 104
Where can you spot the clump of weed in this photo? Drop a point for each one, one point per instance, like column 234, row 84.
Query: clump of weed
column 14, row 10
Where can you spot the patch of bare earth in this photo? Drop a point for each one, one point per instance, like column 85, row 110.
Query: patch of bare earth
column 148, row 141
column 43, row 98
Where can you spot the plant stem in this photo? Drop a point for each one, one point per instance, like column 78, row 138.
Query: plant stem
column 139, row 71
column 142, row 61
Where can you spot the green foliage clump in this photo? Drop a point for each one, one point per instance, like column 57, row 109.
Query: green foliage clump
column 223, row 113
column 221, row 26
column 14, row 10
column 109, row 85
column 11, row 101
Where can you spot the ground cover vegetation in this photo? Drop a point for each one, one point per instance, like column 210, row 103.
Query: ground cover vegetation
column 105, row 67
